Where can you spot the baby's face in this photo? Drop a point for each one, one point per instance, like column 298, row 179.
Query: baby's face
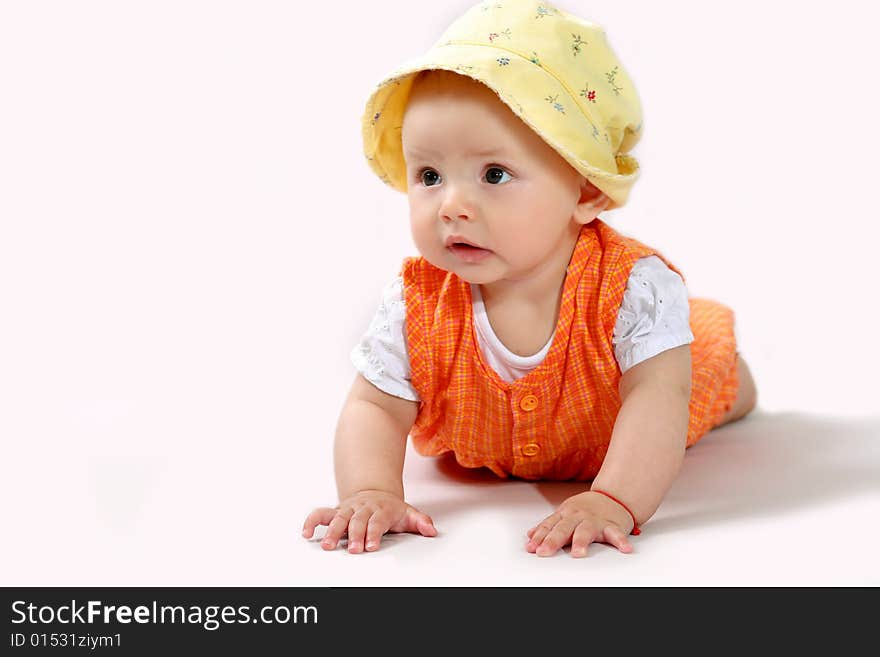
column 477, row 173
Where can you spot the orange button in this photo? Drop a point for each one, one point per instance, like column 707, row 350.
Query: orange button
column 528, row 403
column 531, row 449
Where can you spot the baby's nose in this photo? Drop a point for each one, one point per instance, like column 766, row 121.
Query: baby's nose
column 456, row 207
column 449, row 218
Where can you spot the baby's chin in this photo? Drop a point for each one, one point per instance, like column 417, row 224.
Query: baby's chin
column 475, row 280
column 473, row 275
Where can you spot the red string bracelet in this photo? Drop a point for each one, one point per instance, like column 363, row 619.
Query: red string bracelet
column 635, row 530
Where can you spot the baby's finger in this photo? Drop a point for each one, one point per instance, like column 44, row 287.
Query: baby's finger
column 336, row 528
column 584, row 534
column 615, row 536
column 379, row 523
column 559, row 537
column 541, row 530
column 321, row 516
column 424, row 524
column 357, row 528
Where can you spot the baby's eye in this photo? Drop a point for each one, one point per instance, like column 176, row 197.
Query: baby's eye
column 495, row 175
column 429, row 177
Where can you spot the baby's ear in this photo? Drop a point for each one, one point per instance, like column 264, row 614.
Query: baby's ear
column 592, row 201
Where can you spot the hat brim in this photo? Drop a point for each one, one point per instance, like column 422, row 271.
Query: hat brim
column 578, row 139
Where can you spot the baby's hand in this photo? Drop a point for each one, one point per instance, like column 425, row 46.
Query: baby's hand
column 580, row 520
column 368, row 515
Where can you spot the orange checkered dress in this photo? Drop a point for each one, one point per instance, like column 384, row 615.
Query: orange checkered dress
column 555, row 422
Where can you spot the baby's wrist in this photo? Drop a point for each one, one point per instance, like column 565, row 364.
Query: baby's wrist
column 618, row 511
column 372, row 490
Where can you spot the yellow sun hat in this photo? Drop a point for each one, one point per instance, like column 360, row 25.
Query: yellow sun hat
column 555, row 71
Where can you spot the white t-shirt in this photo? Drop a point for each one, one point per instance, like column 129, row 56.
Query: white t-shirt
column 654, row 317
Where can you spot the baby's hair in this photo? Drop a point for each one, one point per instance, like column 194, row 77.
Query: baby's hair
column 441, row 79
column 437, row 74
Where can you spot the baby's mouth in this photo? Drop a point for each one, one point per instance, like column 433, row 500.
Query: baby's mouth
column 460, row 241
column 468, row 252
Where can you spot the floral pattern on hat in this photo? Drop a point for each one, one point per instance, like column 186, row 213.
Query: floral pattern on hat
column 544, row 10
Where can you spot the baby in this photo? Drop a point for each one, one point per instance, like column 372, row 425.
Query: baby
column 530, row 337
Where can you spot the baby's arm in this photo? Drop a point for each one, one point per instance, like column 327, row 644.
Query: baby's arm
column 371, row 440
column 368, row 455
column 646, row 451
column 650, row 433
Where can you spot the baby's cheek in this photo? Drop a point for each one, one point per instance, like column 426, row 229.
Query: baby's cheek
column 429, row 246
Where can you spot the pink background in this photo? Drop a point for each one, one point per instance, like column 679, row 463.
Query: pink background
column 191, row 242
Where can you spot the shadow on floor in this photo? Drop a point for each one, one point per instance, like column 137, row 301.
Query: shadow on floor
column 767, row 464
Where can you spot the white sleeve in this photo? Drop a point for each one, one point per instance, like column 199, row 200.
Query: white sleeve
column 654, row 315
column 381, row 355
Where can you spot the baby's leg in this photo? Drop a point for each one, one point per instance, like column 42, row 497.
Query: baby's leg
column 746, row 394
